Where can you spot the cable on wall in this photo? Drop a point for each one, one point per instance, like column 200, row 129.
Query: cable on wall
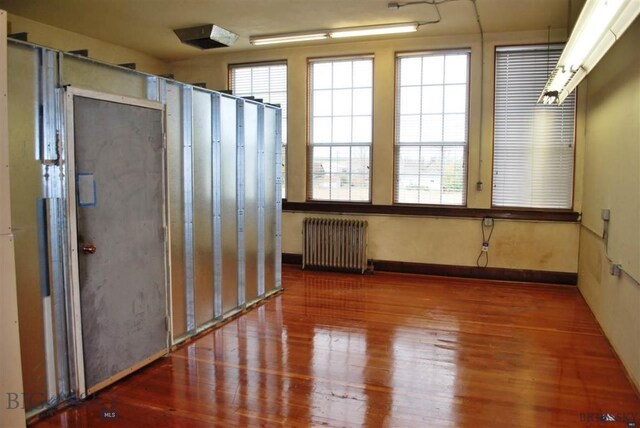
column 486, row 223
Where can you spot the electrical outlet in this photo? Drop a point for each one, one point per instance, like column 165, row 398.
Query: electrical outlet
column 487, row 221
column 485, row 246
column 606, row 214
column 615, row 269
column 479, row 186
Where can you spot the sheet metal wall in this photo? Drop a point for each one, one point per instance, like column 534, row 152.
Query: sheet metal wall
column 223, row 218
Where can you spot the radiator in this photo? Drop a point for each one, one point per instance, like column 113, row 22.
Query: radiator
column 334, row 244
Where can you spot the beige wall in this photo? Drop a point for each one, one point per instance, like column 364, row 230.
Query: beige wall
column 612, row 162
column 548, row 246
column 10, row 366
column 64, row 40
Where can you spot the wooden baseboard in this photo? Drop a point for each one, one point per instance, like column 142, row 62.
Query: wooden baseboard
column 500, row 274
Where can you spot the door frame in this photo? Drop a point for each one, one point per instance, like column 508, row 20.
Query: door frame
column 76, row 357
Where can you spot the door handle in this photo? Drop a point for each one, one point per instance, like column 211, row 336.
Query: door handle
column 88, row 248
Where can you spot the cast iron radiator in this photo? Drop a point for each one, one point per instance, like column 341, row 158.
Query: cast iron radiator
column 334, row 244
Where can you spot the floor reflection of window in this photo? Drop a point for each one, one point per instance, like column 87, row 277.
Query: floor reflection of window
column 424, row 376
column 338, row 364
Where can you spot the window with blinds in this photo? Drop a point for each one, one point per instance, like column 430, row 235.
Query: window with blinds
column 267, row 82
column 432, row 93
column 340, row 134
column 533, row 152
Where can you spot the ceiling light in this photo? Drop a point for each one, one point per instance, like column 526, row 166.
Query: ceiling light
column 373, row 31
column 287, row 38
column 599, row 25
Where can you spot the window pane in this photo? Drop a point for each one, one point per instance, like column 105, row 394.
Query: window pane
column 410, row 71
column 322, row 129
column 433, row 70
column 322, row 103
column 409, row 101
column 341, row 130
column 362, row 100
column 455, row 98
column 362, row 129
column 431, row 128
column 409, row 129
column 456, row 69
column 432, row 101
column 341, row 117
column 455, row 128
column 342, row 74
column 322, row 73
column 533, row 143
column 363, row 74
column 342, row 102
column 429, row 170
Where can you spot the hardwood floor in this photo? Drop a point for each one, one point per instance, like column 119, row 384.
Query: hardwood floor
column 383, row 350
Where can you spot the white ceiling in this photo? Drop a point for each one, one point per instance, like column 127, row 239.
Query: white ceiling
column 146, row 25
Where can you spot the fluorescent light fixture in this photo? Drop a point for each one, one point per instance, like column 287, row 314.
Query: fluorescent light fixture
column 375, row 30
column 599, row 25
column 339, row 33
column 287, row 38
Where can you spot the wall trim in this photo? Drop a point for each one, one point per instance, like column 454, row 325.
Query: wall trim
column 500, row 274
column 433, row 211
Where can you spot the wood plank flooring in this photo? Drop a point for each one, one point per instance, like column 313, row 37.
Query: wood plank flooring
column 383, row 350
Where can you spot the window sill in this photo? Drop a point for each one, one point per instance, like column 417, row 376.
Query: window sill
column 433, row 211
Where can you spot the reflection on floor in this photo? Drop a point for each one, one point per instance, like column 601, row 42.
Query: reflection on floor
column 382, row 350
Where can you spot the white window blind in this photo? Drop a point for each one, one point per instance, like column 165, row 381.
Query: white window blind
column 431, row 127
column 341, row 98
column 533, row 152
column 267, row 82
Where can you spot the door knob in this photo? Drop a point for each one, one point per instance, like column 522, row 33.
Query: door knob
column 88, row 248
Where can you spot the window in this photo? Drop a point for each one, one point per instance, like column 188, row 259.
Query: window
column 341, row 97
column 269, row 83
column 432, row 94
column 533, row 143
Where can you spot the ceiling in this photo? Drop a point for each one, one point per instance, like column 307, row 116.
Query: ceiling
column 146, row 25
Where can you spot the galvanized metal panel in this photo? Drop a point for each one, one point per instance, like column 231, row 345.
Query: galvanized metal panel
column 278, row 200
column 202, row 208
column 251, row 178
column 26, row 189
column 86, row 74
column 187, row 190
column 176, row 203
column 217, row 207
column 270, row 199
column 261, row 192
column 240, row 107
column 123, row 285
column 229, row 220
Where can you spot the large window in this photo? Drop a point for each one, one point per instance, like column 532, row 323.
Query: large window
column 533, row 143
column 341, row 92
column 267, row 82
column 431, row 127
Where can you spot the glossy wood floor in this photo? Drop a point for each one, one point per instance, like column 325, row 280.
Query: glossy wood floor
column 383, row 350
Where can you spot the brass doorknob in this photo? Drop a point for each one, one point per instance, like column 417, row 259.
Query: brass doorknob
column 88, row 249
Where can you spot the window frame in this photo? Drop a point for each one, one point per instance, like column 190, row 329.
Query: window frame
column 516, row 209
column 421, row 53
column 309, row 129
column 285, row 62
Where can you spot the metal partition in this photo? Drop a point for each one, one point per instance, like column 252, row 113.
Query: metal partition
column 223, row 175
column 251, row 177
column 229, row 203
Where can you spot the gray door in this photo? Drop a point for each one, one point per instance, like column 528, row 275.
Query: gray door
column 121, row 240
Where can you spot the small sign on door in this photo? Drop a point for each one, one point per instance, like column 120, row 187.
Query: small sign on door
column 86, row 190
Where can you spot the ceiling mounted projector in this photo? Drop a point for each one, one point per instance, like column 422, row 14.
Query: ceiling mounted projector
column 207, row 36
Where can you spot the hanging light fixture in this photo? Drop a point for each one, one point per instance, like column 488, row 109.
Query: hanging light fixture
column 599, row 25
